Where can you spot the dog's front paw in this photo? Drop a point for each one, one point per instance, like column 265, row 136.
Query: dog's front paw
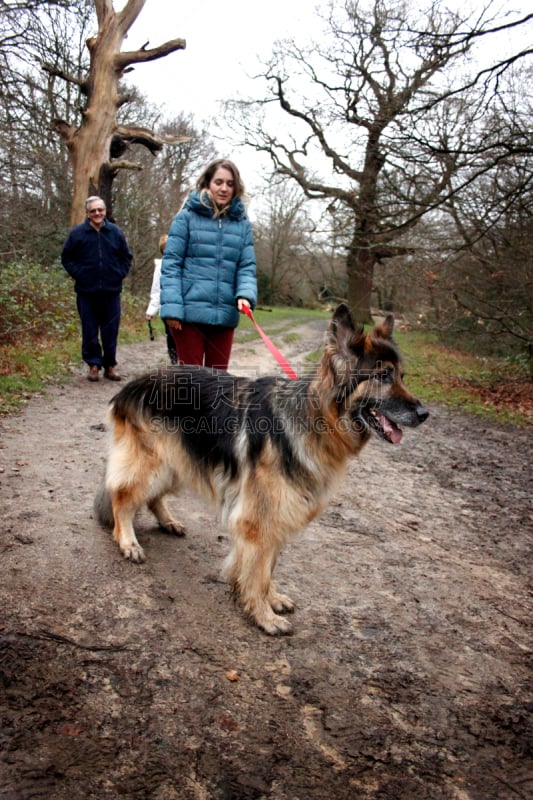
column 274, row 625
column 134, row 552
column 282, row 604
column 277, row 626
column 175, row 528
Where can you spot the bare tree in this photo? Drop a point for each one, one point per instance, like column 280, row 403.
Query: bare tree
column 34, row 167
column 35, row 173
column 149, row 199
column 99, row 144
column 281, row 228
column 489, row 271
column 373, row 125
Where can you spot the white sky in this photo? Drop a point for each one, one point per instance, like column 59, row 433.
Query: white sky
column 224, row 40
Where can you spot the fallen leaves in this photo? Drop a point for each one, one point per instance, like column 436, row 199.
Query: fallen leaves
column 69, row 729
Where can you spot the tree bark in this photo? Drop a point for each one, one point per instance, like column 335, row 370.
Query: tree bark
column 360, row 273
column 90, row 144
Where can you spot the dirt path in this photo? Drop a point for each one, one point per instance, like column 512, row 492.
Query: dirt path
column 407, row 677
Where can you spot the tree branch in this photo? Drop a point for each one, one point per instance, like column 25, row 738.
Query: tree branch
column 104, row 8
column 123, row 60
column 127, row 16
column 493, row 313
column 339, row 164
column 59, row 73
column 114, row 166
column 137, row 135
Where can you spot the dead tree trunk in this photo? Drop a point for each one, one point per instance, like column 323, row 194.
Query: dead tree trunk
column 97, row 145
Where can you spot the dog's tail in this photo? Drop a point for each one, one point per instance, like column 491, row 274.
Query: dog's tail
column 134, row 404
column 102, row 506
column 128, row 409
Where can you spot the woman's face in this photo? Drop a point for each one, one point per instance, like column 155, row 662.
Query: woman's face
column 222, row 187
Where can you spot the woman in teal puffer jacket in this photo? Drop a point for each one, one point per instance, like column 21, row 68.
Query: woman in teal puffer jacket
column 208, row 272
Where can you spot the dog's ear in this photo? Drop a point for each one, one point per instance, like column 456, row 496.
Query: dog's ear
column 383, row 330
column 343, row 343
column 346, row 335
column 342, row 316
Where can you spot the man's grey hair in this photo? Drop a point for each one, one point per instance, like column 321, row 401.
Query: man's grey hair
column 92, row 199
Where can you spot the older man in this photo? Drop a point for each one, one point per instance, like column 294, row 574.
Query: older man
column 96, row 254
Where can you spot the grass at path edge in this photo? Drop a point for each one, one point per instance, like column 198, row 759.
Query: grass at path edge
column 434, row 373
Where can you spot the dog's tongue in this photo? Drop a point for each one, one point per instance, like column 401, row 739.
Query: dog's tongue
column 392, row 431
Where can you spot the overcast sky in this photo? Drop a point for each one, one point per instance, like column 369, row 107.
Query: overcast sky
column 223, row 42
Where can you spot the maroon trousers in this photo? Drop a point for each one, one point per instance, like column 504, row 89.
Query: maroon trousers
column 205, row 345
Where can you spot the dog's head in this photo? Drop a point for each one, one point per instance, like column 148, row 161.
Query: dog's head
column 364, row 374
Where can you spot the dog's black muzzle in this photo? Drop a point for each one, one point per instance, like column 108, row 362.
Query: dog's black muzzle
column 421, row 414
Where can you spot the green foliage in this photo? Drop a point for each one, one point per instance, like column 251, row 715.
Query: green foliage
column 26, row 369
column 476, row 335
column 291, row 337
column 40, row 338
column 491, row 387
column 36, row 301
column 279, row 320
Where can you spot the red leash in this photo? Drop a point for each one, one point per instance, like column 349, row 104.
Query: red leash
column 282, row 361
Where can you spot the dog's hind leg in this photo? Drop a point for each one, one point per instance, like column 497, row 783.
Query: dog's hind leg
column 131, row 474
column 112, row 511
column 125, row 503
column 159, row 508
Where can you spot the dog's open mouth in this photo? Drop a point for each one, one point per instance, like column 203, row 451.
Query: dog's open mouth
column 383, row 427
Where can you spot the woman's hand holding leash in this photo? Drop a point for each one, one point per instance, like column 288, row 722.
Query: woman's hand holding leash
column 282, row 361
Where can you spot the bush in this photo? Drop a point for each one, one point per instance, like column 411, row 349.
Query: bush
column 37, row 302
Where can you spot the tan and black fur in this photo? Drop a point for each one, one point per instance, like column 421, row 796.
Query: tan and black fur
column 269, row 452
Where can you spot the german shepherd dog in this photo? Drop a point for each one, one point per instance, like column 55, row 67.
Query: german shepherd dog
column 268, row 451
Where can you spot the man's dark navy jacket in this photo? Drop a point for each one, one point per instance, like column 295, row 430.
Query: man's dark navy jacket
column 97, row 260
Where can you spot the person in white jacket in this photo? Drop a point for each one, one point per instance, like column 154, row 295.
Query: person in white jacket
column 155, row 301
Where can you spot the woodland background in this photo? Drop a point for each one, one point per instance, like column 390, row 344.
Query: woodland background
column 400, row 153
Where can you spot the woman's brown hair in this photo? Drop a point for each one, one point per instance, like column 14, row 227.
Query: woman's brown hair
column 207, row 175
column 202, row 184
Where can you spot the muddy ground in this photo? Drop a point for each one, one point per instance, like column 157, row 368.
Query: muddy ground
column 408, row 674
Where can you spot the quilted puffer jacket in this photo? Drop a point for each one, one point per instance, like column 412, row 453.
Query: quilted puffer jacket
column 208, row 264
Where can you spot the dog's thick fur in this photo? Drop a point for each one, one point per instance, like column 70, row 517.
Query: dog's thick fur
column 268, row 451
